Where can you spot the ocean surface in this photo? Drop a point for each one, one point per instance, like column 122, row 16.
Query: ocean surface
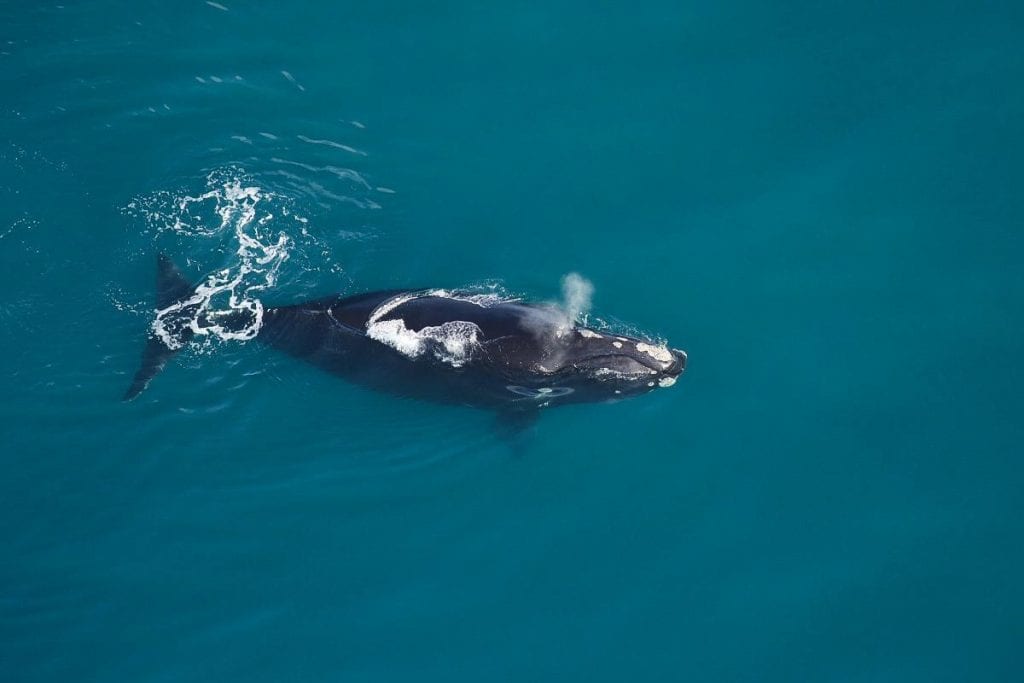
column 823, row 203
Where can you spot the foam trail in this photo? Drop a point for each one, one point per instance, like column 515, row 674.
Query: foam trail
column 260, row 255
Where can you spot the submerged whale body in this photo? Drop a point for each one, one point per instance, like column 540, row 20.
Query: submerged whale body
column 466, row 349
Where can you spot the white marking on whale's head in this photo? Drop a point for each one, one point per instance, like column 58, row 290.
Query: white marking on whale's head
column 589, row 334
column 658, row 353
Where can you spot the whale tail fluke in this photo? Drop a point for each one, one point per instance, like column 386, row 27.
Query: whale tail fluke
column 171, row 288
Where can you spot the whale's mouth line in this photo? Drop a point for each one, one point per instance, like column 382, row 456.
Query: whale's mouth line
column 595, row 363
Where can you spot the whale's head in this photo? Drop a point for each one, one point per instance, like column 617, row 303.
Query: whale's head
column 578, row 364
column 611, row 366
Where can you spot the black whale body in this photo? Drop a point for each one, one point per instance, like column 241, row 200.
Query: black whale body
column 440, row 346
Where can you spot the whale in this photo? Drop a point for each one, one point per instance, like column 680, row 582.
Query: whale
column 461, row 348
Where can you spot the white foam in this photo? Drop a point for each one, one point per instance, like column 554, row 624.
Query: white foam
column 481, row 299
column 388, row 306
column 393, row 333
column 451, row 342
column 231, row 290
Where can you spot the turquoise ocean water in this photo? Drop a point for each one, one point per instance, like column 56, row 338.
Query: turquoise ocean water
column 820, row 202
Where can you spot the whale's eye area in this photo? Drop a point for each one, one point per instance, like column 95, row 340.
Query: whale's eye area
column 539, row 392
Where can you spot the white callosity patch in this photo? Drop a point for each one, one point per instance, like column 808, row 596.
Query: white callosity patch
column 589, row 334
column 658, row 353
column 666, row 381
column 617, row 344
column 610, row 374
column 607, row 373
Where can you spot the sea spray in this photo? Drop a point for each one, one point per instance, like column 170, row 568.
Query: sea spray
column 577, row 294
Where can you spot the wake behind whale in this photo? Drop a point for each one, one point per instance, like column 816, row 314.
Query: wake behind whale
column 480, row 350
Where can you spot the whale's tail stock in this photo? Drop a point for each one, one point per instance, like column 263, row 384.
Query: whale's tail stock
column 176, row 310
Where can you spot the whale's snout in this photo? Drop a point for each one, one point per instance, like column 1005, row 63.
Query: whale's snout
column 678, row 363
column 622, row 366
